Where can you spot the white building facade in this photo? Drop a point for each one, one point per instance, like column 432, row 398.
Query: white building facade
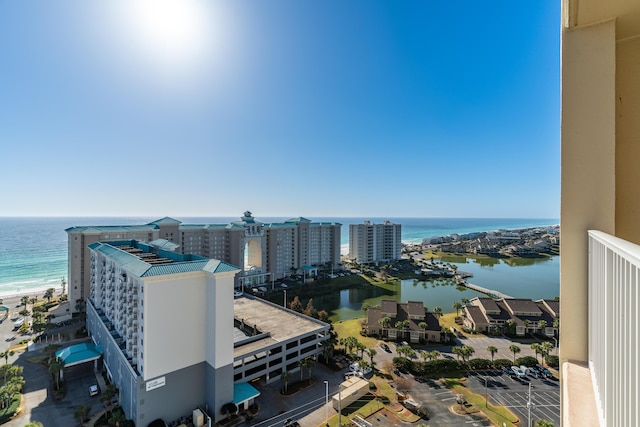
column 369, row 242
column 165, row 322
column 263, row 251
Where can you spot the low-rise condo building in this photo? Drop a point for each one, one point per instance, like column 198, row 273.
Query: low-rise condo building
column 489, row 315
column 408, row 320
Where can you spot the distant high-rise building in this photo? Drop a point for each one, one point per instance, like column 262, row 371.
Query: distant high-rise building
column 263, row 251
column 370, row 242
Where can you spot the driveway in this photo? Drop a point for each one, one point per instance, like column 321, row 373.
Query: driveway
column 37, row 403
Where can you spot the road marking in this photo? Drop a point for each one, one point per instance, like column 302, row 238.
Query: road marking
column 448, row 398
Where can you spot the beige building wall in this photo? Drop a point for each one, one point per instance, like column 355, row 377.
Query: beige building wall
column 600, row 134
column 600, row 145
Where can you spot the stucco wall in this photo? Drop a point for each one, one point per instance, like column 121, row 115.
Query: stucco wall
column 588, row 168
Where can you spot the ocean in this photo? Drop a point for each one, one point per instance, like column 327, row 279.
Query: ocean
column 33, row 250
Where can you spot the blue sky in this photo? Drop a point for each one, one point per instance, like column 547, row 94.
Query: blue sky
column 284, row 108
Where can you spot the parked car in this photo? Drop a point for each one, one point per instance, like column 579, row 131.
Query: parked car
column 519, row 372
column 237, row 294
column 385, row 347
column 93, row 390
column 262, row 289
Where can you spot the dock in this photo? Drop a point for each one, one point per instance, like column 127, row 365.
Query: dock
column 492, row 293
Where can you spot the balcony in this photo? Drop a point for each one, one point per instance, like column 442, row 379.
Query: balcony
column 610, row 379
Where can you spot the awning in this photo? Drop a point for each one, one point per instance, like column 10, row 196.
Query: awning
column 79, row 353
column 243, row 392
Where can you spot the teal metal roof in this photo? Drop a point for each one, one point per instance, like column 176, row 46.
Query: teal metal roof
column 3, row 308
column 298, row 219
column 79, row 353
column 164, row 244
column 243, row 392
column 279, row 225
column 166, row 220
column 111, row 228
column 182, row 263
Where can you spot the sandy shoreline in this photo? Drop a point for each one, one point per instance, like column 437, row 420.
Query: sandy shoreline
column 10, row 299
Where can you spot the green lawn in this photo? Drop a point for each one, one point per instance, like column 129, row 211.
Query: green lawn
column 352, row 327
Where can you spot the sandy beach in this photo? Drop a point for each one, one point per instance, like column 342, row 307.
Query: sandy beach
column 11, row 299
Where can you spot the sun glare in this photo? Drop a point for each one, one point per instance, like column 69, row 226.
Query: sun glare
column 171, row 33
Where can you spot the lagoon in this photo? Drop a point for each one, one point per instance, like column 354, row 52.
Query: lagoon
column 533, row 278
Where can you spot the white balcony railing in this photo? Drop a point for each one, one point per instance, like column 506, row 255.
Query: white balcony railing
column 614, row 330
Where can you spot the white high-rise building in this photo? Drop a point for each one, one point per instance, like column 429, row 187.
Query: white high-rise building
column 165, row 324
column 370, row 242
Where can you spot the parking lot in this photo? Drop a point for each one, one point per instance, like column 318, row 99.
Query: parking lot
column 514, row 394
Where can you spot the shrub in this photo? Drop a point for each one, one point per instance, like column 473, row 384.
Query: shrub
column 480, row 364
column 553, row 361
column 502, row 363
column 403, row 362
column 526, row 361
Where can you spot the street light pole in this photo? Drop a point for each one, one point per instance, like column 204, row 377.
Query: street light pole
column 285, row 299
column 326, row 402
column 529, row 405
column 339, row 405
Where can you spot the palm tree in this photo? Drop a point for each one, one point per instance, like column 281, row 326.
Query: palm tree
column 457, row 350
column 361, row 348
column 457, row 305
column 109, row 392
column 371, row 352
column 466, row 352
column 327, row 349
column 541, row 325
column 425, row 355
column 545, row 349
column 437, row 311
column 285, row 376
column 81, row 414
column 384, row 323
column 537, row 348
column 302, row 364
column 363, row 365
column 493, row 350
column 434, row 354
column 117, row 417
column 423, row 327
column 310, row 365
column 6, row 355
column 515, row 350
column 465, row 301
column 55, row 366
column 48, row 294
column 24, row 300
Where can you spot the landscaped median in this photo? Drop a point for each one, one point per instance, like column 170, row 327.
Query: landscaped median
column 498, row 415
column 382, row 398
